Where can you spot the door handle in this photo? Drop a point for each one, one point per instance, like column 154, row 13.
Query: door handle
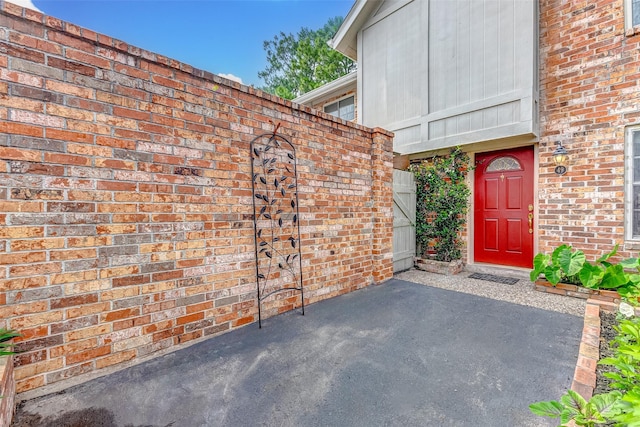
column 530, row 216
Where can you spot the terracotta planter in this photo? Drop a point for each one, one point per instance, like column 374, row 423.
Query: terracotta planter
column 574, row 291
column 440, row 267
column 7, row 390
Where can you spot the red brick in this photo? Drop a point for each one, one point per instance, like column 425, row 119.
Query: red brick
column 113, row 359
column 120, row 314
column 131, row 280
column 20, row 52
column 22, row 78
column 88, row 59
column 87, row 355
column 189, row 318
column 73, row 301
column 35, row 43
column 67, row 159
column 22, row 258
column 20, row 129
column 70, row 41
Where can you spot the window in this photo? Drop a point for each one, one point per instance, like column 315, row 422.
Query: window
column 631, row 13
column 632, row 193
column 505, row 163
column 344, row 108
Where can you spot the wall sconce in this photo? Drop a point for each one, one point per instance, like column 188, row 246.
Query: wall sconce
column 560, row 156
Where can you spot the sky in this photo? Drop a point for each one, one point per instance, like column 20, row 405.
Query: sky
column 221, row 36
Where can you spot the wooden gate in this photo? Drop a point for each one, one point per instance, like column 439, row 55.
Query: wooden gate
column 404, row 220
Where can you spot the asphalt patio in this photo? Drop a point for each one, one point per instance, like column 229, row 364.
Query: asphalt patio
column 400, row 353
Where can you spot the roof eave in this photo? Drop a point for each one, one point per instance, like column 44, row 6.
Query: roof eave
column 346, row 38
column 334, row 86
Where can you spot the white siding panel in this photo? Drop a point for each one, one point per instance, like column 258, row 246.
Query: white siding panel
column 391, row 68
column 462, row 70
column 406, row 136
column 506, row 49
column 441, row 39
column 487, row 118
column 525, row 65
column 464, row 123
column 490, row 48
column 437, row 129
column 374, row 87
column 476, row 54
column 403, row 66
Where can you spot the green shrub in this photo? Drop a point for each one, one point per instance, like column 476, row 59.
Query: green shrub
column 442, row 204
column 571, row 266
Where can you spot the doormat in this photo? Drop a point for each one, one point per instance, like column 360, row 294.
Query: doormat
column 494, row 278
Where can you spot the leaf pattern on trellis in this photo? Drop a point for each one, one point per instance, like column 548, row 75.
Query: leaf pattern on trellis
column 276, row 216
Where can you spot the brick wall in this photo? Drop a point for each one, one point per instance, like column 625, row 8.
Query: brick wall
column 126, row 206
column 590, row 86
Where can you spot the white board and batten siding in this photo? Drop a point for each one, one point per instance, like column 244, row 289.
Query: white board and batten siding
column 441, row 73
column 404, row 220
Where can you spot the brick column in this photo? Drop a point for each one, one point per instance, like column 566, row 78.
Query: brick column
column 382, row 210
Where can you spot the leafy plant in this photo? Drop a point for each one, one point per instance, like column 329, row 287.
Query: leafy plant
column 627, row 355
column 629, row 409
column 573, row 407
column 571, row 266
column 626, row 378
column 443, row 202
column 622, row 405
column 6, row 345
column 563, row 264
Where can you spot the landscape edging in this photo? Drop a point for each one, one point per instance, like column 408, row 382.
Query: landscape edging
column 584, row 377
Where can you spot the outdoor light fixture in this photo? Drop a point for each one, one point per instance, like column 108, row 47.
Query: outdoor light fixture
column 560, row 158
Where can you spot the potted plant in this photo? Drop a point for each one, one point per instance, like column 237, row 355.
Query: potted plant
column 568, row 266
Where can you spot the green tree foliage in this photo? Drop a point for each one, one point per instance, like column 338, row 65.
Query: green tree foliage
column 299, row 63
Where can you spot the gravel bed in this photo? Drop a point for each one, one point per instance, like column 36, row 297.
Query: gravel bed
column 522, row 292
column 607, row 333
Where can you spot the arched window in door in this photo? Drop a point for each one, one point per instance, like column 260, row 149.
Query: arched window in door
column 504, row 163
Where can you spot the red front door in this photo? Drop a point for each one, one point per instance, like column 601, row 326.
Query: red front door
column 503, row 207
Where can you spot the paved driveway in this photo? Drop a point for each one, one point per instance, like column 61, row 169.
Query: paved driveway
column 396, row 354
